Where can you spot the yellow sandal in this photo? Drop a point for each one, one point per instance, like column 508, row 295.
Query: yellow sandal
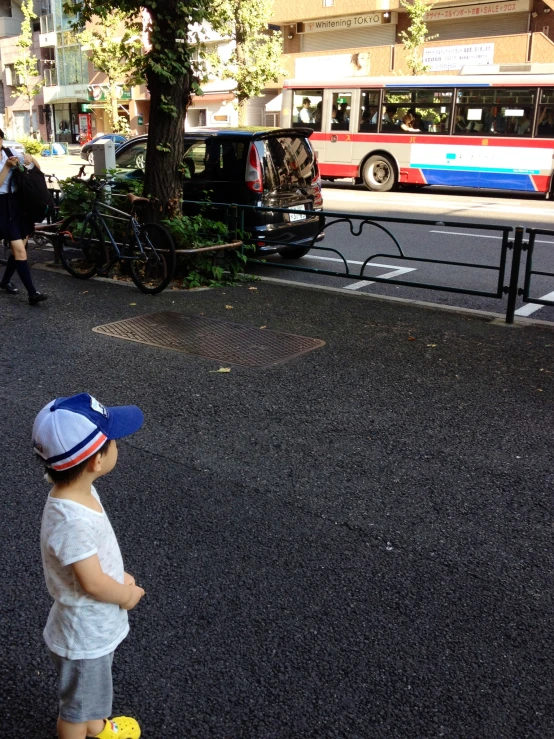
column 121, row 727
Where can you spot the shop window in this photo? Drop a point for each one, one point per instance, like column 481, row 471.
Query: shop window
column 341, row 111
column 417, row 111
column 495, row 111
column 196, row 117
column 307, row 108
column 369, row 110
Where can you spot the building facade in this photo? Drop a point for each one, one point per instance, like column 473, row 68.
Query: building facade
column 343, row 38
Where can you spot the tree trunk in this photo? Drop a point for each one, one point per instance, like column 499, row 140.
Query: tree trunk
column 163, row 179
column 31, row 129
column 114, row 106
column 243, row 106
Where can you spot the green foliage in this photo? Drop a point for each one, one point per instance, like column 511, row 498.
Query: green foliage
column 76, row 198
column 207, row 268
column 31, row 146
column 416, row 35
column 115, row 54
column 256, row 58
column 26, row 65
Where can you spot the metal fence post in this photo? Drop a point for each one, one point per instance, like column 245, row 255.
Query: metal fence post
column 514, row 274
column 233, row 226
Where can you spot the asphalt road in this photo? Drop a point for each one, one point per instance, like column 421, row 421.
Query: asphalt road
column 355, row 544
column 436, row 241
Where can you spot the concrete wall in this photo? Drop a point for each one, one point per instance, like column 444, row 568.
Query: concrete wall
column 285, row 11
column 387, row 60
column 8, row 54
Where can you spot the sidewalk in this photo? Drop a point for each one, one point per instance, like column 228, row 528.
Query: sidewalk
column 356, row 543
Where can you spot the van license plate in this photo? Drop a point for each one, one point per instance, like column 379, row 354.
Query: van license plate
column 297, row 216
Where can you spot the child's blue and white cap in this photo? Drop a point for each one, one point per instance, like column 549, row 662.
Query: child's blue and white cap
column 68, row 431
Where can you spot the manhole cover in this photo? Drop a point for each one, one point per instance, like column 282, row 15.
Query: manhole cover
column 211, row 338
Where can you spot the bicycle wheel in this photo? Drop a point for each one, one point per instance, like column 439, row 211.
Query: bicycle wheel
column 83, row 250
column 152, row 268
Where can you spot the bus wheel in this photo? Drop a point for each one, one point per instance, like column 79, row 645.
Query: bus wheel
column 379, row 173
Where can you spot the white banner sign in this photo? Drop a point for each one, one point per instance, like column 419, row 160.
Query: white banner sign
column 476, row 11
column 447, row 58
column 340, row 24
column 329, row 67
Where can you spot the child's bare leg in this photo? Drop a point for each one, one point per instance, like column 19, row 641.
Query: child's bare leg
column 67, row 730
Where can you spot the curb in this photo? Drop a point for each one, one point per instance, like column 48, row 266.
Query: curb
column 496, row 319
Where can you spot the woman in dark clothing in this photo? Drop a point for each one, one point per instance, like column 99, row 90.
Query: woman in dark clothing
column 14, row 228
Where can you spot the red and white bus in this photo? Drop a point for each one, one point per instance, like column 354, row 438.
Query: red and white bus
column 489, row 131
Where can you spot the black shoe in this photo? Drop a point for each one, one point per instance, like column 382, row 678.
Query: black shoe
column 37, row 298
column 10, row 288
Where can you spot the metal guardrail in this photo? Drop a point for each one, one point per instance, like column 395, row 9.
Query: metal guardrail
column 529, row 271
column 512, row 240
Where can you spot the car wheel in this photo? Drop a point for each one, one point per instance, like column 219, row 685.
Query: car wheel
column 91, row 158
column 140, row 160
column 295, row 252
column 379, row 173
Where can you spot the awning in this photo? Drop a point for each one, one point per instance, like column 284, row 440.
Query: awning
column 215, row 98
column 275, row 105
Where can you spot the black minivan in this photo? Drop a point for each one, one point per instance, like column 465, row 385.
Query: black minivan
column 274, row 167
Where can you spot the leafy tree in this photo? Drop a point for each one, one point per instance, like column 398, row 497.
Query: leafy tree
column 416, row 35
column 114, row 50
column 256, row 57
column 26, row 64
column 168, row 68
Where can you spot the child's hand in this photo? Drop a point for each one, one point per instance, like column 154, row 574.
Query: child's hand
column 128, row 579
column 135, row 594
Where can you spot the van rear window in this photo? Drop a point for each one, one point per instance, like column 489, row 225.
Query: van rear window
column 287, row 161
column 216, row 160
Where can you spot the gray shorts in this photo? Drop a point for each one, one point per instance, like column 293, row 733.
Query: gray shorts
column 85, row 687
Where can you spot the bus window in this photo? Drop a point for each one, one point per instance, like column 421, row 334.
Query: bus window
column 307, row 108
column 545, row 118
column 369, row 110
column 496, row 111
column 413, row 111
column 341, row 111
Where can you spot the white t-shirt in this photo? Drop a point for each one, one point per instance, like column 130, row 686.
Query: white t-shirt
column 5, row 186
column 78, row 626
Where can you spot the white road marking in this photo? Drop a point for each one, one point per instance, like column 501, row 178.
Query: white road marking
column 387, row 276
column 530, row 308
column 396, row 271
column 482, row 206
column 483, row 236
column 350, row 261
column 459, row 233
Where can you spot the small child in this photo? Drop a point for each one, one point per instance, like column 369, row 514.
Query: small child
column 75, row 438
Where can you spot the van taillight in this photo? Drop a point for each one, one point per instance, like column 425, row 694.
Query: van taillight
column 254, row 170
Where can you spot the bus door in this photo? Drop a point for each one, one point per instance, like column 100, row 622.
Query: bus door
column 341, row 113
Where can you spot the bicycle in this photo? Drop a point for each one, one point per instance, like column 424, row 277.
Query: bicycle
column 148, row 247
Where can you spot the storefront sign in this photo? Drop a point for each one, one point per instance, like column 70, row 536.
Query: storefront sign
column 100, row 93
column 140, row 120
column 448, row 58
column 341, row 24
column 476, row 11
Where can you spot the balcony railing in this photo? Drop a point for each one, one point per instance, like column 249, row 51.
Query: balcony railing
column 46, row 23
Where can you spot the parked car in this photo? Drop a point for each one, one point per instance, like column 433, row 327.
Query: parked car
column 275, row 168
column 86, row 149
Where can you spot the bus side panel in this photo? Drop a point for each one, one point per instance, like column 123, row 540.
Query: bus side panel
column 286, row 109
